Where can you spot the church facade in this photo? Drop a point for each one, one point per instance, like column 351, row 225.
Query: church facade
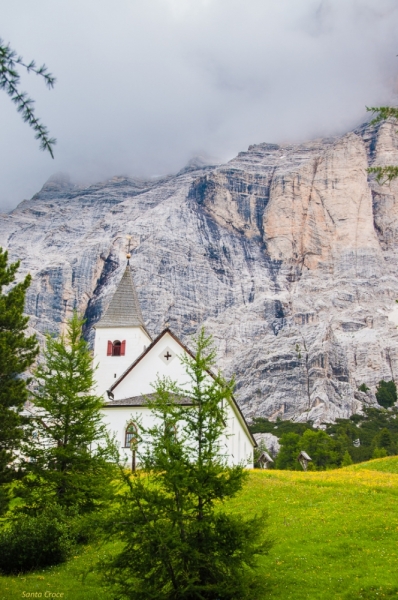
column 128, row 363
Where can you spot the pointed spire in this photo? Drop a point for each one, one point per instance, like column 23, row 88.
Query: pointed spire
column 124, row 308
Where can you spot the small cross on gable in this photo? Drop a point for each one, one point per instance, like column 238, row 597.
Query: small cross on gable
column 167, row 355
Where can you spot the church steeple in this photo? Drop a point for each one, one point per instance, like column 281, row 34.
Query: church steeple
column 120, row 335
column 124, row 309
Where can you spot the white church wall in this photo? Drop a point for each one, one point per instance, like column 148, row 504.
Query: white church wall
column 111, row 367
column 236, row 442
column 235, row 445
column 141, row 379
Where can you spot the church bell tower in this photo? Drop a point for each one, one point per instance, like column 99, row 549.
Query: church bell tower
column 120, row 335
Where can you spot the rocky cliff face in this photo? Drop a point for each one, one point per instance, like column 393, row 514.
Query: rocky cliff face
column 287, row 255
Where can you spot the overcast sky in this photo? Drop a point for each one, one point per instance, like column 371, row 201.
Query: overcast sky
column 145, row 85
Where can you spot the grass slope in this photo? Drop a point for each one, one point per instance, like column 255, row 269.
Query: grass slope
column 335, row 535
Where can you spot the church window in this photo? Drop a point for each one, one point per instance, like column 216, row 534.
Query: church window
column 131, row 435
column 116, row 348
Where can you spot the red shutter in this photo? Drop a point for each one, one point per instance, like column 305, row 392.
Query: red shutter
column 123, row 348
column 110, row 345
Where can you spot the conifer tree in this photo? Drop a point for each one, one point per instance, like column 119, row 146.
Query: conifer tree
column 17, row 354
column 65, row 449
column 178, row 542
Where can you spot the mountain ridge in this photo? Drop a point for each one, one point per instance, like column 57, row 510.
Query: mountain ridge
column 286, row 254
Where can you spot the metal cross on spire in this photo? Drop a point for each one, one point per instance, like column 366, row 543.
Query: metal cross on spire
column 128, row 254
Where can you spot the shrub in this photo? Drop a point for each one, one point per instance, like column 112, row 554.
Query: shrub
column 32, row 542
column 363, row 388
column 386, row 393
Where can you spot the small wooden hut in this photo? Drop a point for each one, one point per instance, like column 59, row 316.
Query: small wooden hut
column 304, row 459
column 264, row 460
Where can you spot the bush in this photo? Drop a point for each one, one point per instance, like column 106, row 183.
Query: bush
column 33, row 542
column 363, row 388
column 386, row 393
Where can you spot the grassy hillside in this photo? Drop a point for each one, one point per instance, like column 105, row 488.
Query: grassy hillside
column 335, row 533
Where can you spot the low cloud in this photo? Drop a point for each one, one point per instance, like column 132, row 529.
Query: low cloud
column 142, row 87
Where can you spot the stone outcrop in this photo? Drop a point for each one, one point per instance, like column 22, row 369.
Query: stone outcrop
column 287, row 255
column 270, row 441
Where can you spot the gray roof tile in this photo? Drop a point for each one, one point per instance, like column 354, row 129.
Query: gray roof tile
column 124, row 308
column 142, row 401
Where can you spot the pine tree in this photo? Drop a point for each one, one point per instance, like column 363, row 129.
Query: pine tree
column 178, row 542
column 17, row 354
column 65, row 449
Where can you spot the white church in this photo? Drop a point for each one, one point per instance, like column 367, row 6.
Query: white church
column 129, row 362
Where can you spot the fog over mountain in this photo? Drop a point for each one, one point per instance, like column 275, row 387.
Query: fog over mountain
column 145, row 86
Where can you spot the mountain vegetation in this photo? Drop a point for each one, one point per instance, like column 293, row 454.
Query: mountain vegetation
column 387, row 173
column 373, row 434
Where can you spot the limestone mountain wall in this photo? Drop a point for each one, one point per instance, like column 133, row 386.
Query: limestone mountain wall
column 287, row 255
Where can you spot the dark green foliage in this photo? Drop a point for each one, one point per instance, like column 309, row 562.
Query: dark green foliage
column 289, row 451
column 325, row 451
column 17, row 354
column 279, row 427
column 9, row 82
column 359, row 437
column 33, row 542
column 347, row 460
column 68, row 448
column 178, row 543
column 386, row 393
column 384, row 439
column 379, row 453
column 366, row 428
column 363, row 388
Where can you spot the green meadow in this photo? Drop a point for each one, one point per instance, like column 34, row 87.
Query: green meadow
column 335, row 536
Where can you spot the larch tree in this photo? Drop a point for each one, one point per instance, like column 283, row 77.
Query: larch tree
column 178, row 540
column 10, row 78
column 69, row 449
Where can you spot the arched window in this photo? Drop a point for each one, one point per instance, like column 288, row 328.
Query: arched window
column 116, row 348
column 131, row 435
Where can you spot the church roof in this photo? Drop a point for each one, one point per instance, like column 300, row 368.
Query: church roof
column 143, row 401
column 124, row 308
